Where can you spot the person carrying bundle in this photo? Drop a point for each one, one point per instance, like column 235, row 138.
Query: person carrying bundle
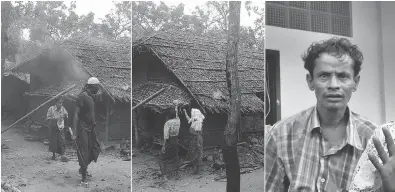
column 56, row 116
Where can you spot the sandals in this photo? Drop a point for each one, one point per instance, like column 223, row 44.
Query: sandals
column 84, row 184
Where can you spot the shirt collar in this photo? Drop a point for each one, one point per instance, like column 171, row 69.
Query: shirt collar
column 352, row 136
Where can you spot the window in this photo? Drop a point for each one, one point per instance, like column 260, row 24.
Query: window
column 333, row 17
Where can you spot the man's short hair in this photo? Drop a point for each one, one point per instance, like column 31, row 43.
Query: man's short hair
column 336, row 47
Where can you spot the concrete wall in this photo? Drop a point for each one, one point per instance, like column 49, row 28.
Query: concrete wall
column 388, row 39
column 367, row 101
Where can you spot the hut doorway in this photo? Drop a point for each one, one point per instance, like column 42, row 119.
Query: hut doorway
column 273, row 102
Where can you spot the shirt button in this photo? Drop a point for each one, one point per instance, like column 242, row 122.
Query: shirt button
column 322, row 180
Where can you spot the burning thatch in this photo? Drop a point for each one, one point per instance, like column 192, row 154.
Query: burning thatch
column 107, row 60
column 199, row 62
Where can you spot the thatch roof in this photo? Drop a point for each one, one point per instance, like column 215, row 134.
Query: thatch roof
column 199, row 62
column 8, row 66
column 164, row 100
column 54, row 89
column 107, row 60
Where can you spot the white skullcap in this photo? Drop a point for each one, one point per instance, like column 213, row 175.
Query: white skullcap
column 93, row 81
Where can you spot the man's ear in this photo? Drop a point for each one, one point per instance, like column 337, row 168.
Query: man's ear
column 356, row 80
column 309, row 80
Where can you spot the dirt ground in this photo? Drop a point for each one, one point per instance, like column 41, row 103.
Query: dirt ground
column 27, row 166
column 146, row 178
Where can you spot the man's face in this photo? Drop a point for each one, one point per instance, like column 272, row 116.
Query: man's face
column 94, row 89
column 333, row 81
column 59, row 104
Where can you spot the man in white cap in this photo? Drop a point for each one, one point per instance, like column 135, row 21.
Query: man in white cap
column 88, row 147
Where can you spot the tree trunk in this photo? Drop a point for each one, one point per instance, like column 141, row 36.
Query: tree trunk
column 5, row 22
column 229, row 149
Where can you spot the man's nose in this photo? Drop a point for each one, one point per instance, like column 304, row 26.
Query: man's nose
column 334, row 83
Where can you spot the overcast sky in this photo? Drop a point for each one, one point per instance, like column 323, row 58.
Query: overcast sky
column 99, row 8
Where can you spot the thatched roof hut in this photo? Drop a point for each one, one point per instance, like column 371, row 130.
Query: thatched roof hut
column 73, row 61
column 198, row 63
column 107, row 60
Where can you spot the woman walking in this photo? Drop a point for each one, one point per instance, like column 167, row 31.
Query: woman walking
column 56, row 115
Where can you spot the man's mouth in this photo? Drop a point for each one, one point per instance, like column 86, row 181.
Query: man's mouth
column 334, row 97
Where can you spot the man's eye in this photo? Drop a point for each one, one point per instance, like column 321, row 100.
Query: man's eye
column 323, row 76
column 342, row 76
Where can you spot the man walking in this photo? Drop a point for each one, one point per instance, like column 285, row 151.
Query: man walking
column 88, row 147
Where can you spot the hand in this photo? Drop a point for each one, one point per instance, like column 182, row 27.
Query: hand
column 163, row 150
column 184, row 110
column 73, row 137
column 387, row 169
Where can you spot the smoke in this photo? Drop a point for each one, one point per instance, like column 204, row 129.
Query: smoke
column 72, row 68
column 63, row 67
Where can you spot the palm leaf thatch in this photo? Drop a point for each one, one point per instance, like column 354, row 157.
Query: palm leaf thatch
column 54, row 89
column 163, row 101
column 107, row 60
column 200, row 63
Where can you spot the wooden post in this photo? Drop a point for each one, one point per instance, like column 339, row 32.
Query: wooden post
column 108, row 120
column 136, row 125
column 229, row 149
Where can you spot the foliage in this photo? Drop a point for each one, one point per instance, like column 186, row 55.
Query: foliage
column 48, row 22
column 210, row 19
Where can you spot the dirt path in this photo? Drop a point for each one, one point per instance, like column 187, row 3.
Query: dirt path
column 27, row 166
column 145, row 170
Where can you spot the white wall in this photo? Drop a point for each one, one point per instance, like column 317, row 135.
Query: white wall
column 295, row 95
column 388, row 31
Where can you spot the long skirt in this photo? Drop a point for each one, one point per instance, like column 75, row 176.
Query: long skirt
column 57, row 141
column 88, row 147
column 196, row 149
column 169, row 161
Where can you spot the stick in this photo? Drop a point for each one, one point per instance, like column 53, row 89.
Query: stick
column 150, row 98
column 34, row 110
column 242, row 172
column 116, row 67
column 214, row 147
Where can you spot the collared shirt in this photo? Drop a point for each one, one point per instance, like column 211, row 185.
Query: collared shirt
column 57, row 114
column 295, row 149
